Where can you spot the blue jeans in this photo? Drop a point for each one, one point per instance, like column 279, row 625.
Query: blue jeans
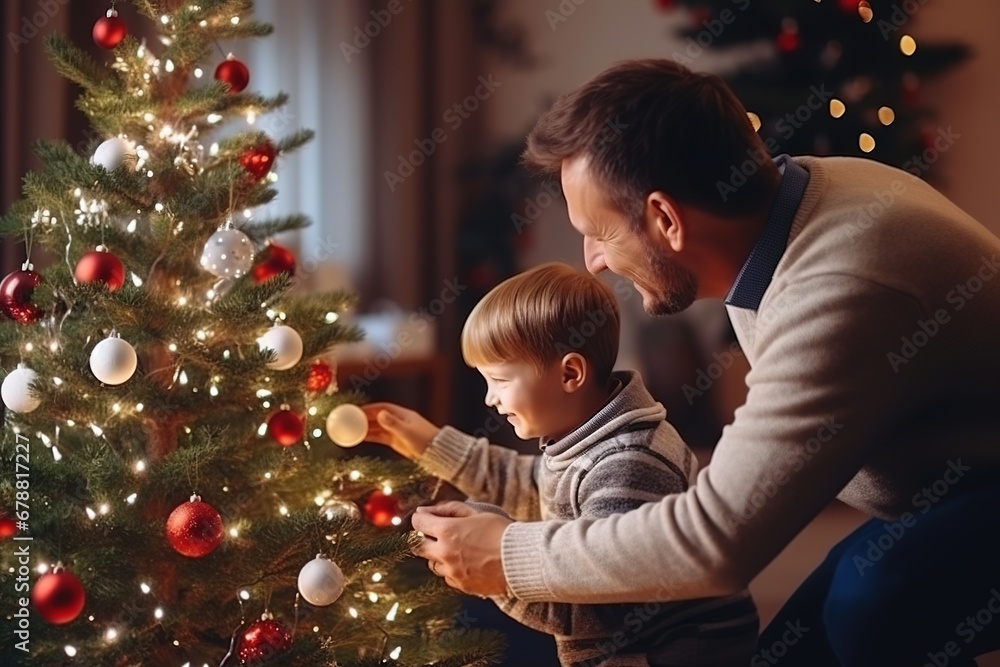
column 924, row 593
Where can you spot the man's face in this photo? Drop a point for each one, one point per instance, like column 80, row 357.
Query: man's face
column 611, row 242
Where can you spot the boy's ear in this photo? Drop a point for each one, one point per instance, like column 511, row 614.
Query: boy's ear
column 574, row 372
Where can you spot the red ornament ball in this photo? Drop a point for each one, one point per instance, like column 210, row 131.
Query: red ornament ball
column 15, row 296
column 320, row 376
column 285, row 427
column 380, row 508
column 109, row 30
column 231, row 71
column 262, row 640
column 100, row 266
column 273, row 260
column 259, row 159
column 788, row 41
column 194, row 528
column 849, row 5
column 7, row 527
column 58, row 597
column 664, row 5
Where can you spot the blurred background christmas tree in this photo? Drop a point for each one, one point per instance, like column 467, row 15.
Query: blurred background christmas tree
column 845, row 76
column 171, row 494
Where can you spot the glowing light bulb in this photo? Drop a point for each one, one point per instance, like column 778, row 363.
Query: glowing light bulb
column 866, row 142
column 907, row 45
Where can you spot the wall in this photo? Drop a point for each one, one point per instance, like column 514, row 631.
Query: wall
column 600, row 32
column 968, row 100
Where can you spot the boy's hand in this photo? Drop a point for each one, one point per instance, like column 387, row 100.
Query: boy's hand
column 406, row 431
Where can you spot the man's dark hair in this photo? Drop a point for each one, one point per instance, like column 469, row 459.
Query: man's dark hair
column 648, row 125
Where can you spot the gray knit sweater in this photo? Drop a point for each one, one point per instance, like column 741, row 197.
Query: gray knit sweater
column 874, row 362
column 626, row 455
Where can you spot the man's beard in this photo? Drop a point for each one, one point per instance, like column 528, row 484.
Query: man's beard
column 673, row 288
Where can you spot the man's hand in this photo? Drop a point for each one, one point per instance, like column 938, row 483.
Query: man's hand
column 463, row 546
column 406, row 431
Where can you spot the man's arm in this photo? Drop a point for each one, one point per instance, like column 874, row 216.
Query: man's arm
column 821, row 394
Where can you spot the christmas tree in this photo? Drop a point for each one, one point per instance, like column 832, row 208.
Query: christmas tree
column 844, row 77
column 169, row 493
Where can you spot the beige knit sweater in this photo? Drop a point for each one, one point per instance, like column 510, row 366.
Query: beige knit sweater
column 875, row 355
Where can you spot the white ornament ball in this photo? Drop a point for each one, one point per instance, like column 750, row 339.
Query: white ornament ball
column 228, row 253
column 111, row 153
column 321, row 582
column 286, row 344
column 113, row 361
column 16, row 390
column 347, row 425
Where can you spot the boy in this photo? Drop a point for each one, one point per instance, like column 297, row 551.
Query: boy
column 546, row 341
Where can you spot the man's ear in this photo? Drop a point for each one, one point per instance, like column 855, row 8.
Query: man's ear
column 574, row 372
column 664, row 220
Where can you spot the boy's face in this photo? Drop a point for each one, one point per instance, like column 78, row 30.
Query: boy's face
column 529, row 399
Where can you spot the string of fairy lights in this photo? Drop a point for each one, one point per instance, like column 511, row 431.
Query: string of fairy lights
column 907, row 45
column 120, row 363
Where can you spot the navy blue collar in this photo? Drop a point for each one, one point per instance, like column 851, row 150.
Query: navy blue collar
column 755, row 276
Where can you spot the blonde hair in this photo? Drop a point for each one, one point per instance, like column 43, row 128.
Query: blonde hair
column 541, row 315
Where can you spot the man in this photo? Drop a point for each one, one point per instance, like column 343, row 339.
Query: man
column 867, row 305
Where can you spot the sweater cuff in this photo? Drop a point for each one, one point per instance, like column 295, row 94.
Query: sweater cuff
column 446, row 453
column 521, row 551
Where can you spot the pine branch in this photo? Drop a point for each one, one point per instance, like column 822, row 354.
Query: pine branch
column 296, row 140
column 73, row 63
